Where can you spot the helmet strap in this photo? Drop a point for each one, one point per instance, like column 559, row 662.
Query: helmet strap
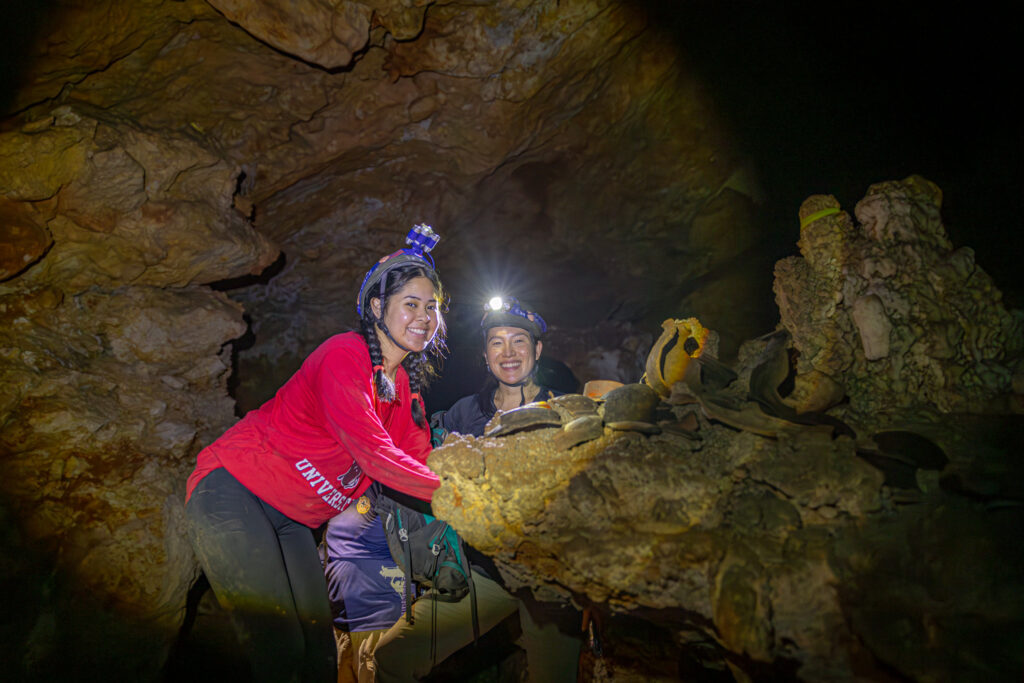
column 379, row 320
column 383, row 326
column 522, row 384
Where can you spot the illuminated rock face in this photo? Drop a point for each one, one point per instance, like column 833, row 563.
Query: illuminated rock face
column 722, row 538
column 801, row 557
column 114, row 365
column 153, row 148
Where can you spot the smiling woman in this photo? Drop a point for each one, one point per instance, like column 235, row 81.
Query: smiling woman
column 512, row 347
column 350, row 416
column 512, row 355
column 411, row 319
column 407, row 650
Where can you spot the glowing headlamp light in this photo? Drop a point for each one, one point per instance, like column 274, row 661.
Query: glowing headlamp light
column 510, row 305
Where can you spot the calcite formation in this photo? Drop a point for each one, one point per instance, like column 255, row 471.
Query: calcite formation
column 790, row 555
column 702, row 523
column 892, row 313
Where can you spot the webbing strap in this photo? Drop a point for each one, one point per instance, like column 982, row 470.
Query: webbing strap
column 816, row 215
column 433, row 633
column 472, row 589
column 407, row 551
column 435, row 548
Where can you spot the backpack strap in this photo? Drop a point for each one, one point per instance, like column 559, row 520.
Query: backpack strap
column 403, row 535
column 472, row 588
column 444, row 537
column 437, row 430
column 436, row 545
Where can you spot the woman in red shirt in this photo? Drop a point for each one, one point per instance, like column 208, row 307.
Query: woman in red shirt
column 352, row 414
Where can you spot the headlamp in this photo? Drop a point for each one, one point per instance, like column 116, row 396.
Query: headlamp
column 421, row 239
column 500, row 311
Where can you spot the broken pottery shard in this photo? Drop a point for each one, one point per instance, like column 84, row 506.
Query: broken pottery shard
column 596, row 388
column 771, row 370
column 631, row 403
column 680, row 341
column 530, row 416
column 572, row 406
column 634, row 426
column 578, row 431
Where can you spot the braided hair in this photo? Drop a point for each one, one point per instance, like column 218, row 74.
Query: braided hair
column 421, row 367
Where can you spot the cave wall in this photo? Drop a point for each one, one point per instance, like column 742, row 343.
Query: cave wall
column 114, row 368
column 179, row 174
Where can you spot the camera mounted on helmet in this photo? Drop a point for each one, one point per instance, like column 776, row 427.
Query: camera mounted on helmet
column 421, row 240
column 508, row 312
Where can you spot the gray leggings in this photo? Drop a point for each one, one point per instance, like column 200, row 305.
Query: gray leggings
column 265, row 571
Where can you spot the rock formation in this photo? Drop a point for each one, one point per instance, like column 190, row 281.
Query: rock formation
column 876, row 542
column 175, row 175
column 115, row 364
column 189, row 187
column 892, row 312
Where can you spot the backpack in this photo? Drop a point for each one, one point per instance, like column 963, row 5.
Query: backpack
column 437, row 430
column 430, row 553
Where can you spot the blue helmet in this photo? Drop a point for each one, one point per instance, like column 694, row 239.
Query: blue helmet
column 421, row 239
column 508, row 312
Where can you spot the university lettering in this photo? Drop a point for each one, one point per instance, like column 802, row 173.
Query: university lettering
column 336, row 499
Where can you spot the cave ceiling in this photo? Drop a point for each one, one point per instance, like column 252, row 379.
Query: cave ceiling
column 541, row 139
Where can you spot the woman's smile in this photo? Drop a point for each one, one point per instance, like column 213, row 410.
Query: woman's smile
column 511, row 354
column 412, row 314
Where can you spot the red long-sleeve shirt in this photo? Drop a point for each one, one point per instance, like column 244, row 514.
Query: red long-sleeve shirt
column 316, row 446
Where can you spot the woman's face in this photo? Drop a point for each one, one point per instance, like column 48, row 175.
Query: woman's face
column 510, row 354
column 412, row 314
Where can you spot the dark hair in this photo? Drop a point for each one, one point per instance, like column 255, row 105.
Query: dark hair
column 485, row 397
column 420, row 366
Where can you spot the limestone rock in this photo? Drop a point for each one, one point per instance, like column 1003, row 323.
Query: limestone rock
column 891, row 312
column 105, row 408
column 120, row 216
column 753, row 550
column 318, row 31
column 873, row 325
column 23, row 237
